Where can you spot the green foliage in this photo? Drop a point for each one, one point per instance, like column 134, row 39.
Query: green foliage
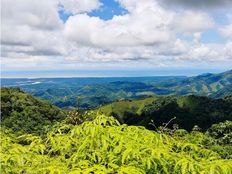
column 222, row 132
column 24, row 113
column 105, row 146
column 189, row 111
column 77, row 117
column 37, row 137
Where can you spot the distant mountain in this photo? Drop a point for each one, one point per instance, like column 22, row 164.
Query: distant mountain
column 93, row 92
column 226, row 91
column 205, row 84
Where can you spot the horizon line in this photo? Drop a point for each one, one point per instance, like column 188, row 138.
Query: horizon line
column 47, row 77
column 5, row 75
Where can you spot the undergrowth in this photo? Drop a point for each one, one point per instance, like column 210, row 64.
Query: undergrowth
column 104, row 146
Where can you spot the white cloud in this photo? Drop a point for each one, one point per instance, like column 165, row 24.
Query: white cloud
column 228, row 50
column 79, row 6
column 201, row 52
column 48, row 43
column 202, row 4
column 226, row 31
column 33, row 33
column 35, row 14
column 31, row 28
column 146, row 24
column 192, row 22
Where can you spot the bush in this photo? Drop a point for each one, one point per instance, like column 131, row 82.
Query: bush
column 222, row 132
column 105, row 146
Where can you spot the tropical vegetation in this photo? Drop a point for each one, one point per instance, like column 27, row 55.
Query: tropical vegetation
column 105, row 146
column 37, row 137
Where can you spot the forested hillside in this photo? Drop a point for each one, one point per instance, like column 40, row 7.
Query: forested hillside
column 22, row 112
column 205, row 84
column 187, row 110
column 226, row 91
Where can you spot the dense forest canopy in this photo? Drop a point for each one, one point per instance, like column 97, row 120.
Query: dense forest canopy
column 24, row 113
column 187, row 110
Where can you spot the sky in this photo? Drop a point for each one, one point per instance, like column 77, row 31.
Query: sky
column 115, row 37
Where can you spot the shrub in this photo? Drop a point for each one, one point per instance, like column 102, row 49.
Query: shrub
column 105, row 146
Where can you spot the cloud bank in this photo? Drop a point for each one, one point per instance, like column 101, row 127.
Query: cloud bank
column 34, row 35
column 216, row 4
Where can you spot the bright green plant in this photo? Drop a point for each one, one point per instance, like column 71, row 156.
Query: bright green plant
column 222, row 132
column 104, row 146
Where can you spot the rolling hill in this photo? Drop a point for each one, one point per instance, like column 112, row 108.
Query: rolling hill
column 92, row 92
column 188, row 110
column 22, row 112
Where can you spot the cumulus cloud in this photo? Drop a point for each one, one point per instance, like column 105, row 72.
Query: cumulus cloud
column 79, row 6
column 226, row 31
column 31, row 28
column 36, row 14
column 199, row 3
column 33, row 33
column 228, row 50
column 192, row 22
column 201, row 52
column 146, row 24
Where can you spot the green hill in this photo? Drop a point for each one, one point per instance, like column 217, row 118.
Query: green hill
column 24, row 113
column 121, row 108
column 188, row 110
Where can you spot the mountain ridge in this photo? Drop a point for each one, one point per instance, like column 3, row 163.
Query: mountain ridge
column 99, row 91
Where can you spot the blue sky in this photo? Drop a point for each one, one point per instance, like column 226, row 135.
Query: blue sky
column 109, row 9
column 115, row 37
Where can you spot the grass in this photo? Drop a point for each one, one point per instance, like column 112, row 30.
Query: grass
column 121, row 107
